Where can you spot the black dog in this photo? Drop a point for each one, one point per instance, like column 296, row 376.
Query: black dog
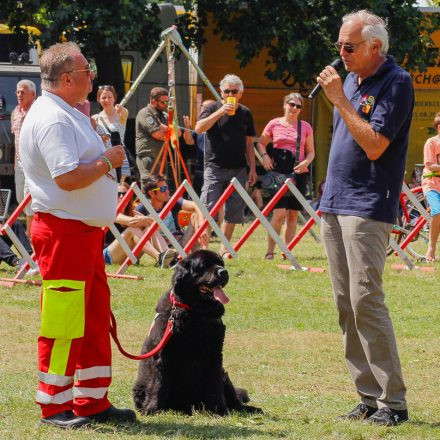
column 188, row 374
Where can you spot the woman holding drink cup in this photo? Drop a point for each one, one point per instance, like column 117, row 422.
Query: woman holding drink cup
column 293, row 148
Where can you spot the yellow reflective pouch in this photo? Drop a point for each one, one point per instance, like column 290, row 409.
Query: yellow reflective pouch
column 63, row 309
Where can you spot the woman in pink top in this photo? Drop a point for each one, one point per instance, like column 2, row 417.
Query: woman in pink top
column 283, row 133
column 431, row 186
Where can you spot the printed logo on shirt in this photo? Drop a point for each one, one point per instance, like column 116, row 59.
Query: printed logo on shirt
column 366, row 103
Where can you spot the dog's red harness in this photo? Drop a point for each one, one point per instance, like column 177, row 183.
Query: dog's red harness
column 165, row 338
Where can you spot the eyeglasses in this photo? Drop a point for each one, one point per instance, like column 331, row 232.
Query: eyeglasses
column 292, row 104
column 105, row 87
column 163, row 102
column 120, row 193
column 88, row 69
column 162, row 189
column 228, row 91
column 349, row 47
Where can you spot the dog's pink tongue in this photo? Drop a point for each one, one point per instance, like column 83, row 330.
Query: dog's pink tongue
column 220, row 295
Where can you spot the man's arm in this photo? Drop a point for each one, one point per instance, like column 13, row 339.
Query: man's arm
column 187, row 135
column 206, row 123
column 189, row 205
column 250, row 155
column 87, row 173
column 161, row 133
column 373, row 143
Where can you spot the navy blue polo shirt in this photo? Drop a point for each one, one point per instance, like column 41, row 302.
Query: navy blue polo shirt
column 356, row 185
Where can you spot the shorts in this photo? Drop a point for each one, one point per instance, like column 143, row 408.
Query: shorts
column 215, row 181
column 433, row 198
column 290, row 201
column 107, row 256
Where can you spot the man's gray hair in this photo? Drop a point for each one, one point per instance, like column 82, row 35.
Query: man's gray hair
column 55, row 60
column 231, row 79
column 374, row 27
column 30, row 85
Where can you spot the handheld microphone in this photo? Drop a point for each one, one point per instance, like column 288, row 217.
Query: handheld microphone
column 337, row 63
column 115, row 139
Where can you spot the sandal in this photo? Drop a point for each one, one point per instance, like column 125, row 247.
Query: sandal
column 269, row 256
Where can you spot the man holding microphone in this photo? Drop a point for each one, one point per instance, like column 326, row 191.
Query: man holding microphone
column 372, row 117
column 72, row 182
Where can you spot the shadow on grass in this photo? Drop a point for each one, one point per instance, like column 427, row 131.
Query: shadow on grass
column 171, row 429
column 423, row 424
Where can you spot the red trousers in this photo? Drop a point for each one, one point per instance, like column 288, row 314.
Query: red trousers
column 74, row 335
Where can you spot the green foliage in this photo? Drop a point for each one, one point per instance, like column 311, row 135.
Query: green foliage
column 298, row 34
column 100, row 27
column 93, row 25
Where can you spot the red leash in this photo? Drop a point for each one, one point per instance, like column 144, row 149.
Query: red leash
column 165, row 338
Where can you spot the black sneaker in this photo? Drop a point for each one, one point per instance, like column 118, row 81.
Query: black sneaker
column 388, row 416
column 113, row 414
column 361, row 412
column 19, row 264
column 66, row 420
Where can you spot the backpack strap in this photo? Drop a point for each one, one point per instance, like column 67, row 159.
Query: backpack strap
column 298, row 143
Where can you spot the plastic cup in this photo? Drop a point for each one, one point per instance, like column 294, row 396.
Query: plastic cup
column 231, row 100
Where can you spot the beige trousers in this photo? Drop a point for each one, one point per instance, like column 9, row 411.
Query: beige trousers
column 356, row 251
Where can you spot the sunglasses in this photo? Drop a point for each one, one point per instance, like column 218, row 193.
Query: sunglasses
column 292, row 105
column 88, row 69
column 162, row 189
column 349, row 47
column 105, row 87
column 120, row 194
column 228, row 91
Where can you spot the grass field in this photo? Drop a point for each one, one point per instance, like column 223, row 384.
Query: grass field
column 283, row 344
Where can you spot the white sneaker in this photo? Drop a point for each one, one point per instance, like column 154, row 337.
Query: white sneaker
column 33, row 271
column 166, row 258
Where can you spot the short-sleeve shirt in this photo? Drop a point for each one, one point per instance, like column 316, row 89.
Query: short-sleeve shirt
column 55, row 139
column 285, row 136
column 17, row 118
column 227, row 137
column 431, row 154
column 171, row 220
column 356, row 185
column 148, row 121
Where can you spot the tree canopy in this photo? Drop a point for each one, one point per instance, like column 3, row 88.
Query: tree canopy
column 100, row 27
column 298, row 35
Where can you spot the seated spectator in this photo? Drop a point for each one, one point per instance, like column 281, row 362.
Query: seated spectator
column 157, row 191
column 6, row 253
column 132, row 227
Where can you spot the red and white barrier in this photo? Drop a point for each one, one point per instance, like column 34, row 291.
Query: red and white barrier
column 30, row 260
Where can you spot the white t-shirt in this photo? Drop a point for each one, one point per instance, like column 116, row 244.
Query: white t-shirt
column 55, row 138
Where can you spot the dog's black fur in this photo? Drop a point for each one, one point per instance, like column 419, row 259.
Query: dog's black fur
column 188, row 374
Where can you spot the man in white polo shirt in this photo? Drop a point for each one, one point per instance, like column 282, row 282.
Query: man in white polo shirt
column 74, row 193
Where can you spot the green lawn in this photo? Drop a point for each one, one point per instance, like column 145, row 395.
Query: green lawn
column 283, row 344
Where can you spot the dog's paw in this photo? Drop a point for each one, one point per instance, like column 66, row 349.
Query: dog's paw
column 242, row 395
column 250, row 409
